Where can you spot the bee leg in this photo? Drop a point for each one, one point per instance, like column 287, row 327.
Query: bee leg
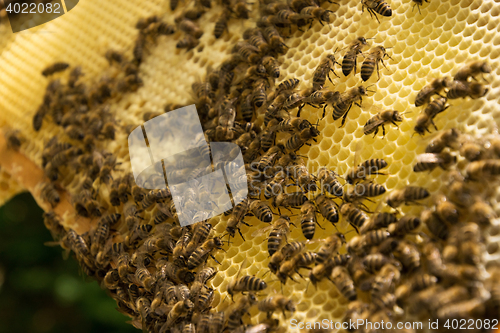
column 383, row 131
column 345, row 116
column 319, row 225
column 239, row 231
column 331, row 70
column 300, row 109
column 324, row 111
column 376, row 131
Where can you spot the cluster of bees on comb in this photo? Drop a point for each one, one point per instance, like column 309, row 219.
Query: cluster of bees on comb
column 396, row 267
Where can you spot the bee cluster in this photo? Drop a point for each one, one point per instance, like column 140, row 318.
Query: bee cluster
column 160, row 273
column 459, row 87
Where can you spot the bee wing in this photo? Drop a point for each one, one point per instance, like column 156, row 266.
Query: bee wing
column 260, row 232
column 259, row 328
column 374, row 124
column 429, row 158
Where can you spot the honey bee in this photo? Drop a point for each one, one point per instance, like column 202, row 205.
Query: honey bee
column 74, row 132
column 296, row 98
column 296, row 141
column 237, row 215
column 404, row 225
column 241, row 10
column 381, row 119
column 113, row 56
column 482, row 170
column 434, row 88
column 287, row 17
column 55, row 68
column 323, row 70
column 385, row 301
column 145, row 278
column 349, row 62
column 238, row 310
column 293, row 124
column 190, row 28
column 279, row 229
column 247, row 51
column 308, row 219
column 429, row 161
column 472, row 151
column 269, row 62
column 471, row 70
column 319, row 98
column 276, row 302
column 180, row 309
column 482, row 212
column 462, row 89
column 293, row 200
column 368, row 167
column 447, row 138
column 245, row 283
column 422, row 124
column 52, row 223
column 261, row 210
column 268, row 138
column 75, row 242
column 322, row 15
column 473, row 308
column 371, row 61
column 407, row 195
column 377, row 6
column 49, row 193
column 14, row 140
column 380, row 220
column 408, row 255
column 375, row 237
column 330, row 245
column 200, row 234
column 374, row 262
column 246, row 106
column 328, row 208
column 259, row 96
column 346, row 99
column 356, row 217
column 38, row 118
column 201, row 253
column 173, row 272
column 99, row 237
column 342, row 280
column 435, row 107
column 363, row 190
column 302, row 177
column 188, row 42
column 275, row 186
column 325, row 268
column 386, row 279
column 446, row 210
column 329, row 182
column 286, row 252
column 275, row 39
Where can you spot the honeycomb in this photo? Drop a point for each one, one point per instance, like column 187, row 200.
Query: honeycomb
column 431, row 42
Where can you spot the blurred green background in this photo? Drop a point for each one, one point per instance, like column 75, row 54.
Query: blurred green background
column 39, row 290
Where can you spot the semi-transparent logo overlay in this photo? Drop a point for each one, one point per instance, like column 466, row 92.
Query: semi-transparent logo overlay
column 204, row 179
